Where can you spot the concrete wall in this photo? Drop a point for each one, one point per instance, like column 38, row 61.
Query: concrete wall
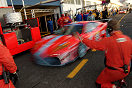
column 56, row 11
column 93, row 2
column 3, row 3
column 72, row 7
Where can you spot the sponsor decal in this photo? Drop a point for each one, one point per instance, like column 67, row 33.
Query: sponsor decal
column 61, row 46
column 121, row 40
column 71, row 46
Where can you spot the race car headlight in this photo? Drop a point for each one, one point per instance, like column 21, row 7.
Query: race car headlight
column 64, row 57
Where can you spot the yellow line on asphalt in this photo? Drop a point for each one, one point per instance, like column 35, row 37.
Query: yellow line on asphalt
column 122, row 18
column 78, row 68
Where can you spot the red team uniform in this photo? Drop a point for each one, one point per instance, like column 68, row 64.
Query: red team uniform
column 113, row 57
column 67, row 20
column 8, row 63
column 60, row 21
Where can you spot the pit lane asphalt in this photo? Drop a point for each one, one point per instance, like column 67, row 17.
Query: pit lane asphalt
column 35, row 76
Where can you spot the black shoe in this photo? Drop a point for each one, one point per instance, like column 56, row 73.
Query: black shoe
column 123, row 83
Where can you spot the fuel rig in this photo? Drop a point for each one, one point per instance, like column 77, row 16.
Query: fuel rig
column 16, row 34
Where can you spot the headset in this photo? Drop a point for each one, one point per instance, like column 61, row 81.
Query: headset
column 109, row 29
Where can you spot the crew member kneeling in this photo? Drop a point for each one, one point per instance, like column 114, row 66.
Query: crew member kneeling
column 118, row 51
column 6, row 64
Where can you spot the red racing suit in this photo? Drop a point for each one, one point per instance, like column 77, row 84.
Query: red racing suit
column 111, row 46
column 7, row 61
column 67, row 20
column 82, row 15
column 60, row 21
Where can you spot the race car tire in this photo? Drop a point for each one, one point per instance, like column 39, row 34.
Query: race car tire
column 82, row 50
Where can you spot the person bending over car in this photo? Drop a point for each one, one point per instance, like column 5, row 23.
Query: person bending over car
column 118, row 51
column 7, row 64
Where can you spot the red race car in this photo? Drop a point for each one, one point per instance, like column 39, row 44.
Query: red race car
column 122, row 11
column 63, row 47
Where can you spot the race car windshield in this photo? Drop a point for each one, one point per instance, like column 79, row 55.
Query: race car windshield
column 90, row 26
column 69, row 29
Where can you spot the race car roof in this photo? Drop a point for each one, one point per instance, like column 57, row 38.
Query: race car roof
column 76, row 24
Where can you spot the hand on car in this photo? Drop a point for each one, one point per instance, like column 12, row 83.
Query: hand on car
column 77, row 36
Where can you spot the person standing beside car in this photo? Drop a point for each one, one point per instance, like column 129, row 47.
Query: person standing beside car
column 97, row 14
column 130, row 10
column 90, row 16
column 6, row 64
column 79, row 17
column 105, row 14
column 60, row 21
column 118, row 51
column 85, row 16
column 50, row 25
column 67, row 19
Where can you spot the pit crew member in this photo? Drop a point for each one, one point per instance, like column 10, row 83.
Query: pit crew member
column 118, row 51
column 6, row 64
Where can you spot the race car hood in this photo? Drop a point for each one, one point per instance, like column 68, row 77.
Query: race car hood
column 52, row 44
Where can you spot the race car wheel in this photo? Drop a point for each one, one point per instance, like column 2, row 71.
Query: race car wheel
column 82, row 50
